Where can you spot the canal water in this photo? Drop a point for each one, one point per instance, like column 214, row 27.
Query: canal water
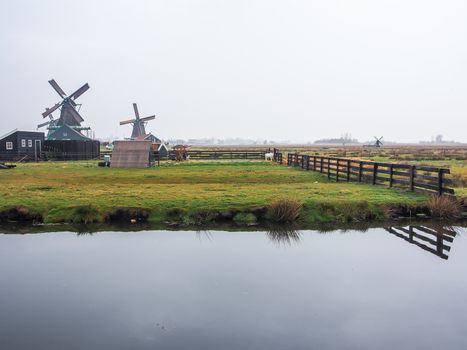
column 383, row 288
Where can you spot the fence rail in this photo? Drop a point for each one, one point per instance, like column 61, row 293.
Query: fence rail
column 413, row 177
column 225, row 154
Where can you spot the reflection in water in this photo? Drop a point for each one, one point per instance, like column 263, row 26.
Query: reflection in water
column 432, row 239
column 164, row 290
column 207, row 235
column 283, row 235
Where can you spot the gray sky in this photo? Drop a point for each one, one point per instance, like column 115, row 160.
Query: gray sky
column 296, row 70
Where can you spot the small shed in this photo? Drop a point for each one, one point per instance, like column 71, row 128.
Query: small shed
column 131, row 154
column 19, row 144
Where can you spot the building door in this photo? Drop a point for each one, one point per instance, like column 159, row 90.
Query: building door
column 37, row 150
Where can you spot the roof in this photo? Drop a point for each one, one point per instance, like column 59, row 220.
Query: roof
column 16, row 130
column 131, row 154
column 148, row 137
column 75, row 133
column 9, row 133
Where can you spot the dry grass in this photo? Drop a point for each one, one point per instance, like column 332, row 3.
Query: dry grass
column 444, row 207
column 284, row 210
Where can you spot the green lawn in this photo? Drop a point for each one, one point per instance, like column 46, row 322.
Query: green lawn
column 54, row 189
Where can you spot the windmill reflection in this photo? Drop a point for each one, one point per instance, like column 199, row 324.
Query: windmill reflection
column 283, row 235
column 432, row 239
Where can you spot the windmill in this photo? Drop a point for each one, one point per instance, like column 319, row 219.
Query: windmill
column 69, row 112
column 138, row 123
column 378, row 142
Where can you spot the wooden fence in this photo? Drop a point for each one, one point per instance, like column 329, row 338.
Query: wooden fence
column 413, row 177
column 226, row 154
column 209, row 154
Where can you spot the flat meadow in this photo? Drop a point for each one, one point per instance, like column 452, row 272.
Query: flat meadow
column 189, row 191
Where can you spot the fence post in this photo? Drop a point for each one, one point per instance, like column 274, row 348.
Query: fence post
column 348, row 170
column 329, row 168
column 391, row 175
column 375, row 172
column 321, row 160
column 314, row 163
column 412, row 177
column 337, row 171
column 440, row 181
column 360, row 171
column 288, row 159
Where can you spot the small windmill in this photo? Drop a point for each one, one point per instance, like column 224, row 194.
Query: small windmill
column 50, row 122
column 138, row 123
column 378, row 142
column 69, row 110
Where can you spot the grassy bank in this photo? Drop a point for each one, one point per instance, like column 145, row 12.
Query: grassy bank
column 189, row 193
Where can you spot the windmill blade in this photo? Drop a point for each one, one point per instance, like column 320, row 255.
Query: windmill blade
column 80, row 91
column 129, row 121
column 57, row 88
column 49, row 111
column 44, row 124
column 135, row 107
column 76, row 115
column 148, row 118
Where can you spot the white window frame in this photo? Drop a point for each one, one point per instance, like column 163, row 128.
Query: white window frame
column 23, row 142
column 9, row 145
column 29, row 143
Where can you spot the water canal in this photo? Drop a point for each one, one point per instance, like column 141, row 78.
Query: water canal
column 382, row 288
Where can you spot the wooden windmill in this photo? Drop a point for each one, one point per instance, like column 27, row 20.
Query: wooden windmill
column 70, row 119
column 378, row 142
column 139, row 123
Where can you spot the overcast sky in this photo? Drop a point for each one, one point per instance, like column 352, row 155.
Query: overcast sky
column 262, row 69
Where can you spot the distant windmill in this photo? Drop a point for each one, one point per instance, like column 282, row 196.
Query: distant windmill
column 138, row 123
column 50, row 122
column 378, row 142
column 68, row 113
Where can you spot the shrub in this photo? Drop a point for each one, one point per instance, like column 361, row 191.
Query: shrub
column 444, row 207
column 245, row 218
column 84, row 214
column 20, row 214
column 176, row 214
column 127, row 215
column 284, row 210
column 203, row 216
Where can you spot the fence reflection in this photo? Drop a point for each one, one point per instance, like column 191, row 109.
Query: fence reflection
column 432, row 239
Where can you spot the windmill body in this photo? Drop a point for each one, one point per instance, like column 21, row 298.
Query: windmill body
column 68, row 125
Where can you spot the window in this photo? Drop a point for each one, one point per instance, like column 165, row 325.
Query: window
column 9, row 146
column 29, row 143
column 23, row 143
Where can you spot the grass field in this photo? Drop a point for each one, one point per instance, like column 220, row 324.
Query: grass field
column 67, row 191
